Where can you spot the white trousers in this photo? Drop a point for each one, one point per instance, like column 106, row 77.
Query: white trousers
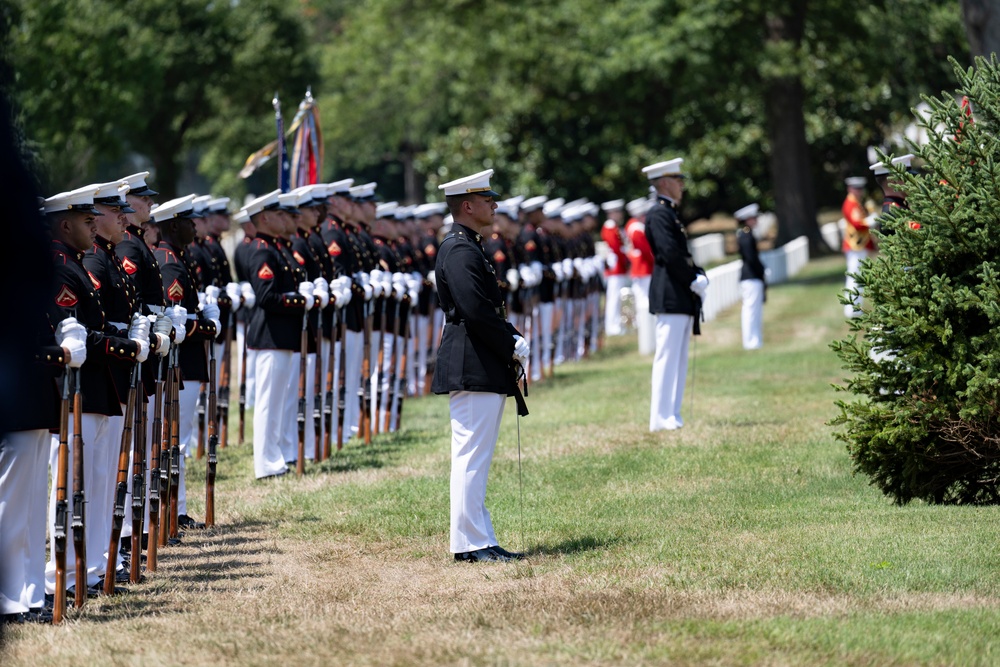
column 854, row 259
column 23, row 478
column 673, row 333
column 594, row 301
column 187, row 436
column 536, row 342
column 355, row 347
column 423, row 345
column 291, row 439
column 95, row 431
column 645, row 322
column 234, row 382
column 613, row 305
column 475, row 425
column 752, row 320
column 546, row 311
column 274, row 367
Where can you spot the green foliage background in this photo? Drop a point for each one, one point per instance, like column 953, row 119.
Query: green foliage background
column 567, row 96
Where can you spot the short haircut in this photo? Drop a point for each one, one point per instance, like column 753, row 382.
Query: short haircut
column 455, row 203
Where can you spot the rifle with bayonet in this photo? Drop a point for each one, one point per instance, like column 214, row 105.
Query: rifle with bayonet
column 60, row 532
column 300, row 464
column 79, row 498
column 154, row 472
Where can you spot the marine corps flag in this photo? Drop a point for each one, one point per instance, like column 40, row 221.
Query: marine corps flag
column 306, row 162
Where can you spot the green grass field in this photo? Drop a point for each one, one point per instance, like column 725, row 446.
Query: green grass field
column 743, row 539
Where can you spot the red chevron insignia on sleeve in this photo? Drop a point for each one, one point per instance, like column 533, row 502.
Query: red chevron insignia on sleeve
column 265, row 272
column 176, row 291
column 66, row 298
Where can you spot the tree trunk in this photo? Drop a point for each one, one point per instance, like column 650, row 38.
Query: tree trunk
column 982, row 25
column 784, row 97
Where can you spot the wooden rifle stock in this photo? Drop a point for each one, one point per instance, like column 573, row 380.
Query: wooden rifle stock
column 154, row 473
column 199, row 452
column 164, row 460
column 300, row 464
column 121, row 485
column 79, row 499
column 213, row 440
column 60, row 533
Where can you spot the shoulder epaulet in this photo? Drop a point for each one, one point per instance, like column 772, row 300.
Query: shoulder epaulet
column 261, row 243
column 610, row 224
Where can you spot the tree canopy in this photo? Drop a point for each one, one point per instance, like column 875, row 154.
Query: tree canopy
column 766, row 100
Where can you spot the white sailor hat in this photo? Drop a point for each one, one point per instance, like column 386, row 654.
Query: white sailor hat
column 553, row 207
column 571, row 213
column 137, row 185
column 111, row 194
column 880, row 168
column 747, row 212
column 181, row 207
column 404, row 212
column 306, row 196
column 429, row 209
column 265, row 202
column 667, row 168
column 590, row 208
column 319, row 192
column 856, row 181
column 241, row 217
column 386, row 210
column 341, row 188
column 638, row 207
column 478, row 184
column 529, row 205
column 364, row 192
column 218, row 205
column 81, row 199
column 613, row 205
column 289, row 201
column 201, row 205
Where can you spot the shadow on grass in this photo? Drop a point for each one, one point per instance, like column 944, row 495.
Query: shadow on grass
column 579, row 545
column 824, row 276
column 385, row 451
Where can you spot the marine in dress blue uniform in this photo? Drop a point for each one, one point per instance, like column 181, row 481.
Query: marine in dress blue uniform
column 475, row 363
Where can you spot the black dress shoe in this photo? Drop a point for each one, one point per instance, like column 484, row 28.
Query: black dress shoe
column 184, row 521
column 12, row 619
column 486, row 555
column 513, row 555
column 38, row 615
column 92, row 591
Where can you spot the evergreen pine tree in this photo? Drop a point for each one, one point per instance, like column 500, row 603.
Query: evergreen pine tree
column 925, row 354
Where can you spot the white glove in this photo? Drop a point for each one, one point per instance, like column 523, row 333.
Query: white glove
column 612, row 260
column 162, row 327
column 567, row 265
column 321, row 291
column 513, row 279
column 70, row 328
column 700, row 285
column 249, row 298
column 399, row 286
column 212, row 294
column 525, row 271
column 375, row 280
column 77, row 351
column 72, row 337
column 415, row 281
column 178, row 317
column 432, row 279
column 536, row 269
column 521, row 350
column 233, row 292
column 386, row 284
column 307, row 289
column 210, row 309
column 139, row 334
column 558, row 270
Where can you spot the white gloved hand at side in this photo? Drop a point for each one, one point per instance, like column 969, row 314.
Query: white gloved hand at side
column 249, row 298
column 306, row 289
column 521, row 349
column 233, row 292
column 178, row 317
column 700, row 285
